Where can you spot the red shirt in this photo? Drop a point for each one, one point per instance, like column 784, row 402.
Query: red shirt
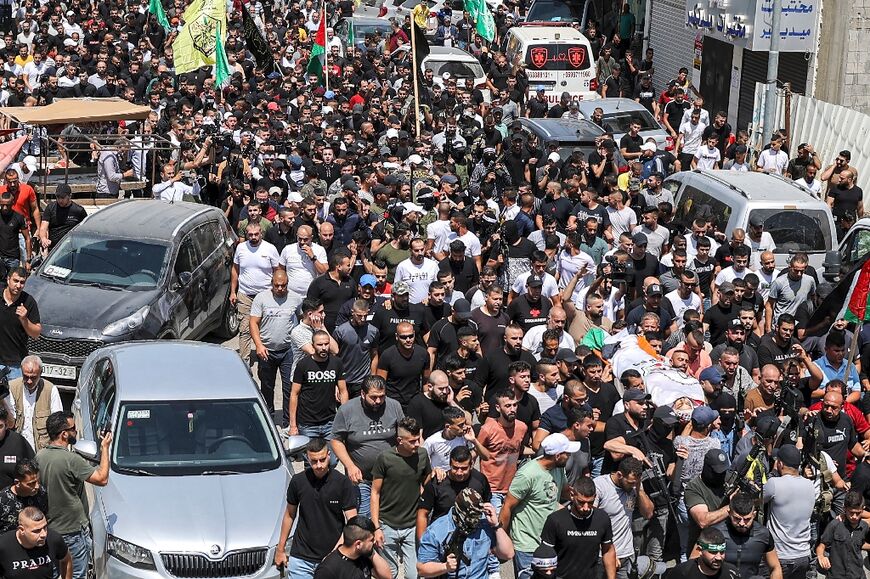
column 26, row 197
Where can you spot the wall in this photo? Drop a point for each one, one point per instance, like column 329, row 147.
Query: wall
column 856, row 81
column 672, row 41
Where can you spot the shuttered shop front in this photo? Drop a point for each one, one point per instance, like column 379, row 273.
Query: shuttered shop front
column 793, row 68
column 673, row 43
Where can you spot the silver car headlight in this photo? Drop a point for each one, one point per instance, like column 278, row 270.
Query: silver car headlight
column 128, row 324
column 131, row 554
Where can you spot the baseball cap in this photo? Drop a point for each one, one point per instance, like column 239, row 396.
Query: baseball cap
column 392, row 134
column 716, row 460
column 648, row 147
column 789, row 455
column 558, row 443
column 640, row 239
column 449, row 179
column 275, row 190
column 666, row 414
column 736, row 324
column 535, row 281
column 711, row 374
column 30, row 161
column 544, row 557
column 756, row 220
column 413, row 207
column 704, row 415
column 329, row 95
column 272, row 106
column 368, row 280
column 462, row 309
column 654, row 289
column 726, row 287
column 553, row 157
column 767, row 426
column 647, row 568
column 401, row 288
column 414, row 159
column 566, row 355
column 636, row 395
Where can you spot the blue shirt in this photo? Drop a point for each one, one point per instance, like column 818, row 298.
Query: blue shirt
column 477, row 547
column 831, row 373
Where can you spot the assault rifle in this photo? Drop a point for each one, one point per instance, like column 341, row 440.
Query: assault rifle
column 656, row 476
column 737, row 478
column 455, row 547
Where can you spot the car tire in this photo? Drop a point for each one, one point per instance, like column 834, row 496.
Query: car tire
column 229, row 325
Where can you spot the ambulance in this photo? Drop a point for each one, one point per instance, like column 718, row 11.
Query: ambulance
column 557, row 58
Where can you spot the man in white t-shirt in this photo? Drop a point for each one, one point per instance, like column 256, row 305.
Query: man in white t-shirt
column 254, row 263
column 766, row 273
column 303, row 261
column 810, row 182
column 418, row 271
column 738, row 269
column 690, row 138
column 758, row 240
column 773, row 159
column 622, row 219
column 685, row 297
column 459, row 230
column 708, row 155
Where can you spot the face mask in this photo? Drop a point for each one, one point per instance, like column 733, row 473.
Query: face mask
column 726, row 421
column 712, row 479
column 660, row 430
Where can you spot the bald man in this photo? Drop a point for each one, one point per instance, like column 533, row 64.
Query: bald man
column 404, row 365
column 533, row 341
column 271, row 323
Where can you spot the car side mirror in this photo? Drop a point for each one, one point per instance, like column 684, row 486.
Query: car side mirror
column 88, row 449
column 832, row 265
column 294, row 444
column 184, row 278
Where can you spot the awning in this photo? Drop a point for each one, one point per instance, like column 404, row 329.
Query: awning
column 80, row 111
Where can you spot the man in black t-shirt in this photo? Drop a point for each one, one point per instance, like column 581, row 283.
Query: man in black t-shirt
column 355, row 557
column 837, row 431
column 581, row 535
column 323, row 499
column 19, row 319
column 312, row 396
column 60, row 217
column 428, row 406
column 404, row 365
column 401, row 310
column 439, row 496
column 710, row 564
column 631, row 141
column 33, row 551
column 12, row 224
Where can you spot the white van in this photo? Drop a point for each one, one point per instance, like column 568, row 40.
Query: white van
column 558, row 58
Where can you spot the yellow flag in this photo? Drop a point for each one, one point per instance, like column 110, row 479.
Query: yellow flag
column 196, row 43
column 421, row 15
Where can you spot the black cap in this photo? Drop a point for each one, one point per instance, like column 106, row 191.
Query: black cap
column 636, row 395
column 789, row 455
column 666, row 414
column 716, row 460
column 462, row 309
column 566, row 355
column 535, row 281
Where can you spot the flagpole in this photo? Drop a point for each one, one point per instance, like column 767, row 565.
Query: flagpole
column 325, row 49
column 414, row 73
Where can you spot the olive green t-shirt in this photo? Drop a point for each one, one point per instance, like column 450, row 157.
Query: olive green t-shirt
column 63, row 474
column 392, row 257
column 403, row 479
column 538, row 491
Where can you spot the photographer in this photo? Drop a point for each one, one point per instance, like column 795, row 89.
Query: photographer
column 460, row 543
column 172, row 188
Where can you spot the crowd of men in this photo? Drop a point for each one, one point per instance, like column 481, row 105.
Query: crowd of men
column 437, row 310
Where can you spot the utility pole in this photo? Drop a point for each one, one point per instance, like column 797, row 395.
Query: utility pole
column 772, row 71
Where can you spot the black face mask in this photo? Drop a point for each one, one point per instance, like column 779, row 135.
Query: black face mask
column 711, row 479
column 659, row 430
column 726, row 420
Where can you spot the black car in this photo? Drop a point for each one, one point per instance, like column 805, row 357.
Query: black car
column 134, row 270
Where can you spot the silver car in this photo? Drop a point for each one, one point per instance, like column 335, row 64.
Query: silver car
column 198, row 474
column 619, row 113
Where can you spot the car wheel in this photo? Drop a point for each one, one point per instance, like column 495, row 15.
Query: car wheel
column 229, row 322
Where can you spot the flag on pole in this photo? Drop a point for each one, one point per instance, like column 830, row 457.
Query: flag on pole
column 222, row 72
column 419, row 23
column 195, row 46
column 855, row 308
column 318, row 53
column 156, row 8
column 482, row 17
column 351, row 35
column 256, row 43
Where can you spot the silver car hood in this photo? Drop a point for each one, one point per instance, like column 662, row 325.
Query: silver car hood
column 192, row 513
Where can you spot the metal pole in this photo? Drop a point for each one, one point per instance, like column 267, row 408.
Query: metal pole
column 772, row 71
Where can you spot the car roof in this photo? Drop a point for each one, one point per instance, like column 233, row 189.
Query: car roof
column 142, row 218
column 530, row 33
column 757, row 186
column 442, row 52
column 370, row 20
column 563, row 129
column 178, row 370
column 609, row 106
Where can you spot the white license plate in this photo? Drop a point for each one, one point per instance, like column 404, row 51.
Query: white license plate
column 56, row 371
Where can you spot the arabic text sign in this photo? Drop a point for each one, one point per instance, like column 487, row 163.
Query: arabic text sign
column 746, row 23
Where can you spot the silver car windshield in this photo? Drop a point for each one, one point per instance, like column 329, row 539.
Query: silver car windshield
column 194, row 437
column 84, row 259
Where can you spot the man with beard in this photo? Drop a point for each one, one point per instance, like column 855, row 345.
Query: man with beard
column 427, row 406
column 747, row 541
column 710, row 562
column 704, row 499
column 778, row 347
column 493, row 369
column 397, row 250
column 838, row 433
column 491, row 320
column 333, row 288
column 417, row 271
column 271, row 323
column 464, row 270
column 363, row 428
column 618, row 494
column 621, row 430
column 503, row 437
column 357, row 341
column 531, row 308
column 318, row 384
column 12, row 224
column 355, row 557
column 718, row 317
column 791, row 499
column 403, row 365
column 735, row 340
column 34, row 551
column 400, row 310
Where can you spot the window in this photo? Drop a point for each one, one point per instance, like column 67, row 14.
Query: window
column 858, row 247
column 186, row 260
column 208, row 238
column 796, row 230
column 103, row 396
column 695, row 203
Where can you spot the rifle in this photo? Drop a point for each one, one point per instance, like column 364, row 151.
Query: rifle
column 656, row 475
column 455, row 547
column 812, row 459
column 737, row 478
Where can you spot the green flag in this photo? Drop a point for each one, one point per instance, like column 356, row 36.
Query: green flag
column 222, row 71
column 484, row 22
column 156, row 8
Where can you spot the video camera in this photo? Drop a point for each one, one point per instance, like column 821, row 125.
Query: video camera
column 619, row 271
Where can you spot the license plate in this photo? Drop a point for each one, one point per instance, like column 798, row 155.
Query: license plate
column 56, row 371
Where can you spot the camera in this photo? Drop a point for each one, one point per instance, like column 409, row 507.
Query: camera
column 618, row 270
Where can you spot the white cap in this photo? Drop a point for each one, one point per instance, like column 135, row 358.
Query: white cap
column 446, row 76
column 558, row 443
column 648, row 147
column 413, row 207
column 415, row 159
column 326, row 109
column 294, row 196
column 554, row 157
column 30, row 161
column 392, row 134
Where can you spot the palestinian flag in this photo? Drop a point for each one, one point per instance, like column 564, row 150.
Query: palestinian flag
column 856, row 309
column 318, row 53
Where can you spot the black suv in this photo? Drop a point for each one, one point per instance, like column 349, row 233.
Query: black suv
column 134, row 270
